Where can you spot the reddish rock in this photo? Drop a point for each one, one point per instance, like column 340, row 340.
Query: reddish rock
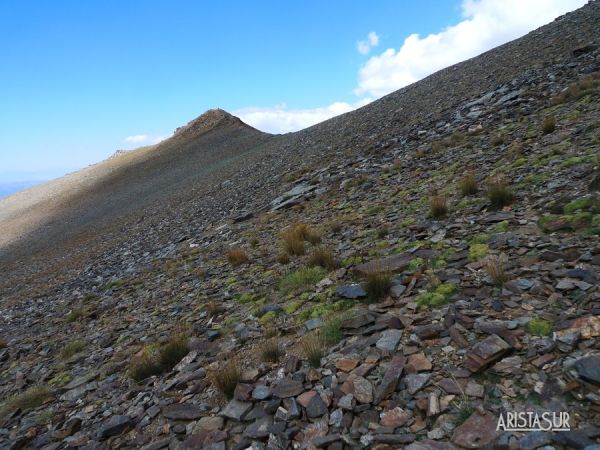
column 478, row 431
column 419, row 362
column 394, row 418
column 346, row 364
column 486, row 352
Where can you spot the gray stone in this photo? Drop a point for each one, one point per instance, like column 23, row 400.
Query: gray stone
column 415, row 381
column 589, row 369
column 236, row 409
column 114, row 426
column 182, row 411
column 288, row 388
column 261, row 392
column 389, row 340
column 351, row 291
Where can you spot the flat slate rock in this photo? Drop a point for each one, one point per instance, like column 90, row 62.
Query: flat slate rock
column 182, row 411
column 236, row 409
column 352, row 291
column 114, row 426
column 389, row 340
column 486, row 352
column 288, row 388
column 588, row 368
column 478, row 431
column 390, row 379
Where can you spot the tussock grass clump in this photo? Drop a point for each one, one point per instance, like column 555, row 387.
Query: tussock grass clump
column 548, row 125
column 322, row 257
column 236, row 256
column 75, row 314
column 313, row 349
column 335, row 226
column 499, row 192
column 468, row 185
column 331, row 330
column 438, row 206
column 226, row 377
column 378, row 284
column 295, row 236
column 495, row 267
column 539, row 327
column 156, row 359
column 71, row 349
column 383, row 231
column 578, row 89
column 283, row 258
column 301, row 279
column 31, row 398
column 497, row 140
column 213, row 308
column 270, row 350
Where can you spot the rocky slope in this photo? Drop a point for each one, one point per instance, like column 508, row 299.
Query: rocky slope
column 491, row 307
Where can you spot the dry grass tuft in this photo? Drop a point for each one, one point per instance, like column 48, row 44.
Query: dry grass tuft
column 438, row 206
column 548, row 125
column 295, row 236
column 270, row 350
column 495, row 267
column 468, row 184
column 378, row 284
column 31, row 398
column 71, row 349
column 283, row 258
column 226, row 377
column 213, row 309
column 236, row 256
column 156, row 359
column 313, row 349
column 322, row 257
column 499, row 192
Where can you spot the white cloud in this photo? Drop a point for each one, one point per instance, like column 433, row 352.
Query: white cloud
column 143, row 139
column 365, row 46
column 281, row 119
column 486, row 24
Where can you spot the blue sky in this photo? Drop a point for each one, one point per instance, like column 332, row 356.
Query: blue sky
column 82, row 79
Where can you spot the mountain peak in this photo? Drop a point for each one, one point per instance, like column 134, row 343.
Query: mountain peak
column 209, row 120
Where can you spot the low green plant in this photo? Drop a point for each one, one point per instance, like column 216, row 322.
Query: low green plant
column 539, row 327
column 301, row 279
column 478, row 251
column 437, row 297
